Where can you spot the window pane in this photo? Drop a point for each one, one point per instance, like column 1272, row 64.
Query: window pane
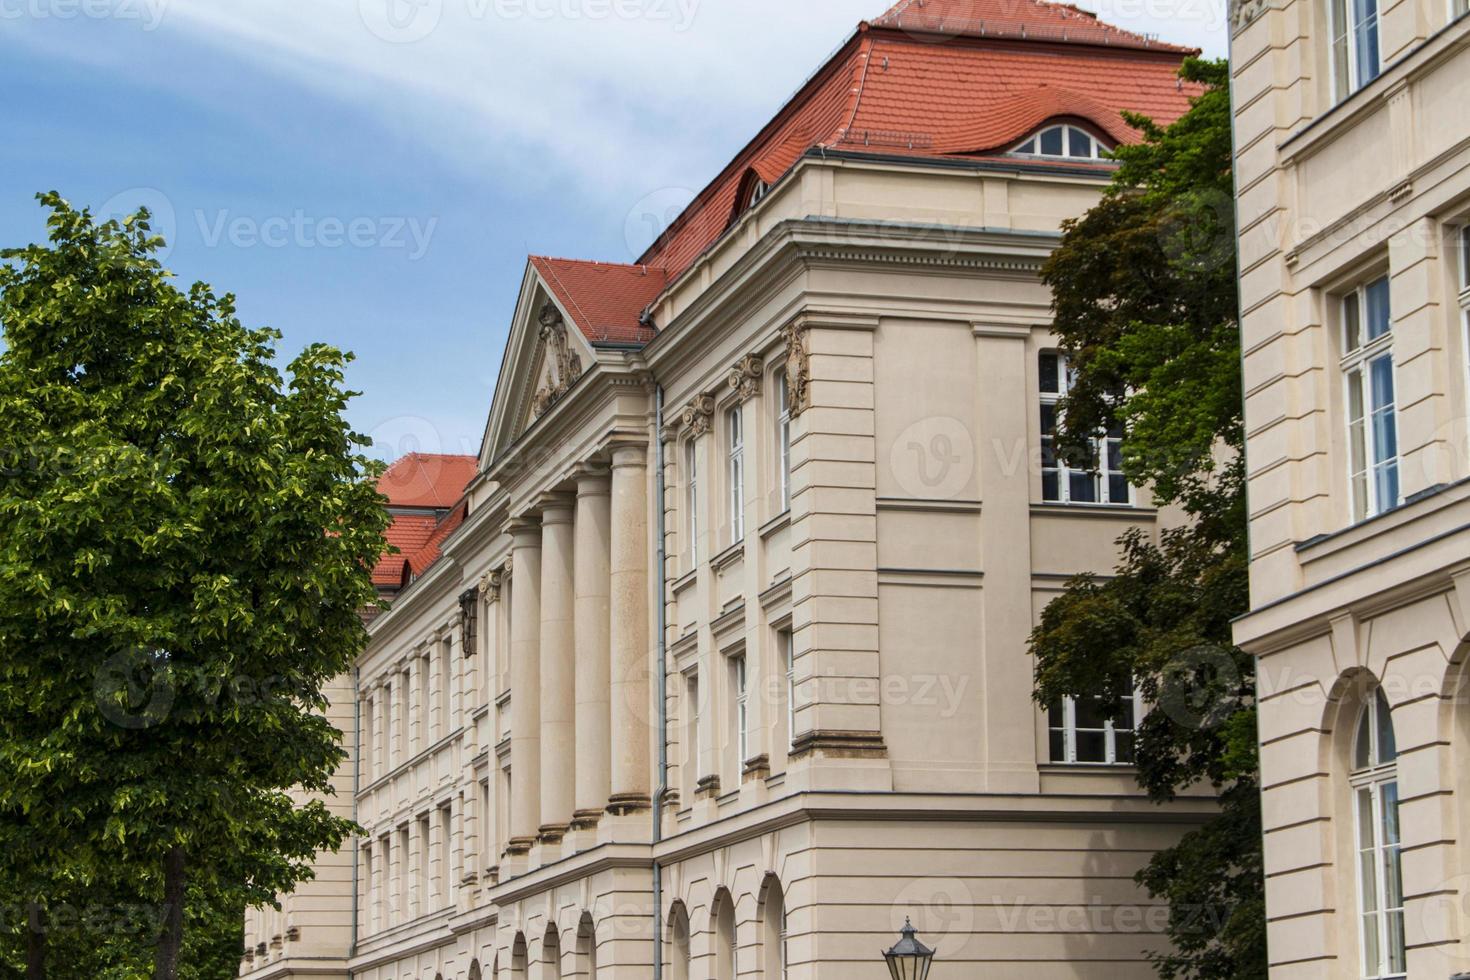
column 1365, row 39
column 1366, row 824
column 1379, row 312
column 1386, row 486
column 1079, row 143
column 1387, row 745
column 1083, row 487
column 1118, row 489
column 1352, row 323
column 1362, row 745
column 1048, row 419
column 1464, row 232
column 1051, row 486
column 1089, row 713
column 1092, row 747
column 1059, row 746
column 1049, row 373
column 1381, row 371
column 1124, row 747
column 1051, row 142
column 1027, row 147
column 1391, row 814
column 1397, row 958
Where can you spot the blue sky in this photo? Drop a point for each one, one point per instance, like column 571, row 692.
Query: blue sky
column 373, row 173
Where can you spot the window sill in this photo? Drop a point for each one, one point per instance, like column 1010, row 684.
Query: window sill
column 729, row 556
column 777, row 523
column 1094, row 510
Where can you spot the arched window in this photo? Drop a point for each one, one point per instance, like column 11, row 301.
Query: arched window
column 679, row 942
column 1375, row 786
column 773, row 928
column 1063, row 140
column 726, row 960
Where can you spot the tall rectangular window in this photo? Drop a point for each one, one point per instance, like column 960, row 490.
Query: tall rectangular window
column 1367, row 366
column 424, row 871
column 1082, row 733
column 742, row 710
column 370, row 907
column 691, row 499
column 1463, row 241
column 783, row 438
column 735, row 433
column 446, row 856
column 1060, row 483
column 1355, row 58
column 410, row 875
column 693, row 747
column 369, row 759
column 788, row 663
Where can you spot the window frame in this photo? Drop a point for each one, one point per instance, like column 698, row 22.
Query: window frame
column 735, row 470
column 1361, row 355
column 1462, row 241
column 1096, row 146
column 1376, row 780
column 783, row 439
column 1343, row 26
column 1110, row 731
column 1107, row 448
column 740, row 689
column 691, row 498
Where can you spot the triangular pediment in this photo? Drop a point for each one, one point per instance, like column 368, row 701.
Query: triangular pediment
column 545, row 356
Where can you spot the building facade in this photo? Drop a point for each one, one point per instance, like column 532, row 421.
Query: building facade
column 1353, row 170
column 721, row 658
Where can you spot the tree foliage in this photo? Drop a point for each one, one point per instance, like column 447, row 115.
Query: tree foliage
column 1146, row 309
column 185, row 543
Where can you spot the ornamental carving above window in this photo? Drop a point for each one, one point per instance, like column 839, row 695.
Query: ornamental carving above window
column 563, row 364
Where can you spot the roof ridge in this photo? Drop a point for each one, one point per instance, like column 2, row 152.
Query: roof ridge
column 645, row 266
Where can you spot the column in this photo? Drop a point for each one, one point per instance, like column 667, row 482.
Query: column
column 525, row 686
column 558, row 669
column 594, row 653
column 631, row 724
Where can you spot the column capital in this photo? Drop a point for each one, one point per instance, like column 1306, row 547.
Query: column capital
column 593, row 479
column 556, row 507
column 525, row 529
column 628, row 454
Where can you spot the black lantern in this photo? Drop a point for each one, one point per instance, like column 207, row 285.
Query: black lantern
column 909, row 959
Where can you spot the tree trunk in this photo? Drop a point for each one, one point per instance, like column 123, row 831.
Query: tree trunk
column 166, row 956
column 35, row 944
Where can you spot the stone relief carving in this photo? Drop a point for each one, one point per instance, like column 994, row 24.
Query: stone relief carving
column 798, row 367
column 698, row 414
column 745, row 377
column 1242, row 12
column 490, row 586
column 563, row 363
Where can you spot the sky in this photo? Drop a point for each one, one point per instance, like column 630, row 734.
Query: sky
column 373, row 173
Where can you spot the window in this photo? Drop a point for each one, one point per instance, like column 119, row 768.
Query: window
column 783, row 438
column 758, row 191
column 1355, row 60
column 422, row 892
column 788, row 661
column 775, row 933
column 446, row 856
column 1063, row 141
column 1061, row 483
column 691, row 499
column 408, row 886
column 1367, row 365
column 694, row 749
column 735, row 432
column 369, row 760
column 1380, row 874
column 1082, row 733
column 1462, row 241
column 742, row 711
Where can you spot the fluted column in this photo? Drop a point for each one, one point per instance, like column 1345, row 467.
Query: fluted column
column 525, row 686
column 594, row 654
column 631, row 785
column 558, row 669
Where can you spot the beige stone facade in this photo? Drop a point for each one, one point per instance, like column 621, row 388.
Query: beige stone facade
column 858, row 534
column 1353, row 169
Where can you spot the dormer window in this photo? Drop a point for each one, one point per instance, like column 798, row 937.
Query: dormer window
column 756, row 193
column 1063, row 141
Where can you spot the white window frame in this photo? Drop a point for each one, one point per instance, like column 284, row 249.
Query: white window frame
column 783, row 438
column 1031, row 146
column 1109, row 730
column 735, row 433
column 691, row 498
column 1377, row 850
column 788, row 663
column 695, row 734
column 1344, row 28
column 1362, row 354
column 741, row 683
column 1106, row 448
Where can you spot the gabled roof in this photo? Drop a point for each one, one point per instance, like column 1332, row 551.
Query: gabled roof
column 425, row 493
column 946, row 78
column 432, row 480
column 604, row 299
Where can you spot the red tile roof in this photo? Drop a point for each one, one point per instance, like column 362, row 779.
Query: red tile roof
column 420, row 487
column 928, row 78
column 605, row 299
column 429, row 480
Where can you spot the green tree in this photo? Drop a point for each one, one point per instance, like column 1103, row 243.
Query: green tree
column 1146, row 309
column 185, row 543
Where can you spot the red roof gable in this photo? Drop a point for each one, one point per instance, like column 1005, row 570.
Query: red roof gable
column 428, row 480
column 429, row 484
column 605, row 300
column 1004, row 67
